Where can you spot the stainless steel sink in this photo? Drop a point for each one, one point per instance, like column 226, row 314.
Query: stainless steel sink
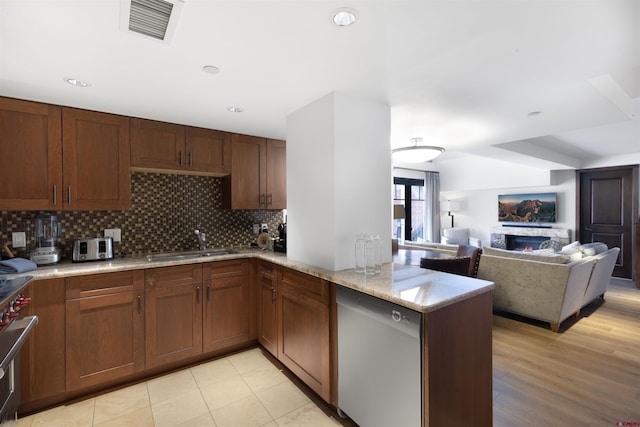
column 178, row 256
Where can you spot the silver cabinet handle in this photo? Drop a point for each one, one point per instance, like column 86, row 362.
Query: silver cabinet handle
column 180, row 157
column 190, row 159
column 55, row 194
column 273, row 295
column 198, row 295
column 69, row 195
column 208, row 293
column 139, row 304
column 270, row 199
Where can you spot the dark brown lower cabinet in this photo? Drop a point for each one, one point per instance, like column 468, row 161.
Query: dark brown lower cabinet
column 43, row 355
column 227, row 304
column 104, row 328
column 303, row 323
column 267, row 307
column 173, row 313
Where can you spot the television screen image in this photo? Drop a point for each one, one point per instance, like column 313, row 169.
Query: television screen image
column 531, row 208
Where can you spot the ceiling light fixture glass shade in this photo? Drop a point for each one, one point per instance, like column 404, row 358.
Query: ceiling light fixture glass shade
column 416, row 153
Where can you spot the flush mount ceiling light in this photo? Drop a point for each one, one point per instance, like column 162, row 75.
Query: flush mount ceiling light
column 75, row 82
column 416, row 153
column 344, row 16
column 235, row 109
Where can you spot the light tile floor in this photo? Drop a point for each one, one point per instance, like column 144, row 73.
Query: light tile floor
column 243, row 389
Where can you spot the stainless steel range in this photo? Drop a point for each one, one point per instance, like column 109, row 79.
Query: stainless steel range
column 14, row 330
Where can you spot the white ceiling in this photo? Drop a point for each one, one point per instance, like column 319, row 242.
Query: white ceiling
column 460, row 74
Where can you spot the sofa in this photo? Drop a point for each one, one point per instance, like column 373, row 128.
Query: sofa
column 547, row 286
column 458, row 236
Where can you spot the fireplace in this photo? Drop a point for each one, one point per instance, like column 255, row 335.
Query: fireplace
column 521, row 238
column 522, row 243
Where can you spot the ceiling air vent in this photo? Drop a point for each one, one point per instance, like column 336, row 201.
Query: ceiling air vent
column 151, row 18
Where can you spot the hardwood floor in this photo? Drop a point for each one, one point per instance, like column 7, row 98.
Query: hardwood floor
column 586, row 375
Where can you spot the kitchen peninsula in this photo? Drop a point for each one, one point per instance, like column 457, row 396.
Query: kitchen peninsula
column 254, row 287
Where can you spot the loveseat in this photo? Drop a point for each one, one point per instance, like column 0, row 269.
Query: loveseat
column 547, row 286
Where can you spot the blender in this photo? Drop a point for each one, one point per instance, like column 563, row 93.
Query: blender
column 47, row 230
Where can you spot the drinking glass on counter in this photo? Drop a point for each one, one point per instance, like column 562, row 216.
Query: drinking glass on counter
column 368, row 253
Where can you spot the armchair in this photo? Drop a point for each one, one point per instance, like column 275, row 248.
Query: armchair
column 455, row 265
column 455, row 236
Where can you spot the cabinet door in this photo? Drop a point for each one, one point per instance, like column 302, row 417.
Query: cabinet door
column 276, row 174
column 304, row 329
column 43, row 354
column 227, row 305
column 95, row 160
column 268, row 313
column 248, row 169
column 31, row 147
column 173, row 313
column 208, row 151
column 105, row 328
column 157, row 145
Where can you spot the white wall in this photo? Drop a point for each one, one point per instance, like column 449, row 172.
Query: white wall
column 483, row 180
column 338, row 175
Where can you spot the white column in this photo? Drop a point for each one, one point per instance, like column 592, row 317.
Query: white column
column 338, row 179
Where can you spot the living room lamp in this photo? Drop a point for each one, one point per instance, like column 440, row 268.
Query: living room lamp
column 416, row 153
column 452, row 206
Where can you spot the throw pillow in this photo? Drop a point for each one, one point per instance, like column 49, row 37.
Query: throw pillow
column 590, row 249
column 573, row 245
column 574, row 254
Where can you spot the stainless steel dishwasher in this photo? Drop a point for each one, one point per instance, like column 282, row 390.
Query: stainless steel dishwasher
column 379, row 361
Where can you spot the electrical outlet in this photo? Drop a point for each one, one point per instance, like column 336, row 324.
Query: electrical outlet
column 114, row 233
column 19, row 239
column 264, row 228
column 256, row 228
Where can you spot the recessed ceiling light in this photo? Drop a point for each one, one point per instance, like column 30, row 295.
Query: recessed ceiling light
column 211, row 69
column 344, row 16
column 235, row 109
column 76, row 82
column 534, row 113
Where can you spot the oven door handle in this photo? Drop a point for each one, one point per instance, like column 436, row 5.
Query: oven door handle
column 23, row 327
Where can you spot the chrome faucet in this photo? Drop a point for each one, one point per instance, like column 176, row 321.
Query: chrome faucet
column 202, row 239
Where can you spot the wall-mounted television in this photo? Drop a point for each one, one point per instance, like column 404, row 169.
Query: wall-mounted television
column 529, row 208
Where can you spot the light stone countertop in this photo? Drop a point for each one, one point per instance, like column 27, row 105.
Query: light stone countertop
column 410, row 286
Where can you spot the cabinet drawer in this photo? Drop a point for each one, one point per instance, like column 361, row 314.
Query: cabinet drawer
column 171, row 276
column 310, row 286
column 102, row 284
column 221, row 269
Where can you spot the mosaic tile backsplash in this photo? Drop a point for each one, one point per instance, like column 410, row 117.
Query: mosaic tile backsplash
column 165, row 211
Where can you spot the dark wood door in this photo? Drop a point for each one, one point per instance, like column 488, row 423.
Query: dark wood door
column 43, row 375
column 303, row 323
column 157, row 145
column 607, row 208
column 95, row 160
column 248, row 169
column 227, row 317
column 173, row 313
column 104, row 328
column 276, row 174
column 208, row 151
column 268, row 313
column 31, row 155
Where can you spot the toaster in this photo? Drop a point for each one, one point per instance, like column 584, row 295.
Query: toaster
column 99, row 248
